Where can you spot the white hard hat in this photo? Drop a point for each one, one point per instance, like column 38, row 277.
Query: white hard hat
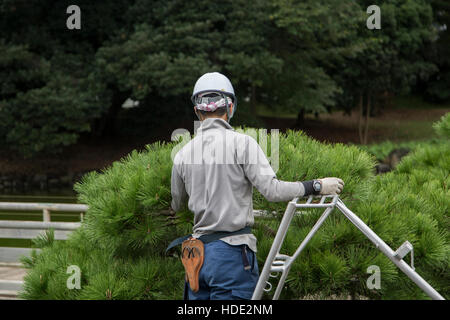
column 215, row 82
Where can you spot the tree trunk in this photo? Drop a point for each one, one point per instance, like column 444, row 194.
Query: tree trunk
column 360, row 116
column 300, row 118
column 106, row 125
column 253, row 100
column 366, row 129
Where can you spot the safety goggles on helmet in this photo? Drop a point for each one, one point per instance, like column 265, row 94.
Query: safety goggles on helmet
column 210, row 101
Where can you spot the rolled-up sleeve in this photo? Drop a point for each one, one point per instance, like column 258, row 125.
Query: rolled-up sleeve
column 259, row 172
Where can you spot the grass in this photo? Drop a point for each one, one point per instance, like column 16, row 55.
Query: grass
column 416, row 102
column 265, row 111
column 16, row 243
column 399, row 102
column 392, row 125
column 409, row 119
column 398, row 130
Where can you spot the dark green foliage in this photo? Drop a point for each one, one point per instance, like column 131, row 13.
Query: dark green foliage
column 437, row 89
column 416, row 198
column 310, row 37
column 43, row 107
column 48, row 93
column 125, row 203
column 302, row 158
column 411, row 203
column 293, row 56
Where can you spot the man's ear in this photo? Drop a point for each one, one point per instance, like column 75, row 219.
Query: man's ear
column 231, row 108
column 196, row 113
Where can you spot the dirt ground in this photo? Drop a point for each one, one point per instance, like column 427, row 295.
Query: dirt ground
column 94, row 154
column 394, row 125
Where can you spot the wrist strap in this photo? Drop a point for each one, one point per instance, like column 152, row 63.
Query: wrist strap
column 308, row 185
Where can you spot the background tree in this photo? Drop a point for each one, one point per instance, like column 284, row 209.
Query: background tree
column 159, row 59
column 48, row 96
column 392, row 59
column 308, row 56
column 437, row 89
column 309, row 36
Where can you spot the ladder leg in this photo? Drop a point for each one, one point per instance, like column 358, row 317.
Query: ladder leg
column 281, row 283
column 305, row 241
column 388, row 252
column 277, row 242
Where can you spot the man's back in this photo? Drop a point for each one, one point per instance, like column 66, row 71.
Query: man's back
column 217, row 170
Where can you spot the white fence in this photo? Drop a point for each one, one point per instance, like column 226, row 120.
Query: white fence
column 13, row 229
column 31, row 229
column 10, row 229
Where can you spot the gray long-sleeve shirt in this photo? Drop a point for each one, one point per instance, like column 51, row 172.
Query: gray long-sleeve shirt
column 216, row 170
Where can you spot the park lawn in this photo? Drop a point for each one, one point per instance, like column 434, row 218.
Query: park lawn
column 395, row 125
column 410, row 118
column 400, row 102
column 416, row 102
column 264, row 111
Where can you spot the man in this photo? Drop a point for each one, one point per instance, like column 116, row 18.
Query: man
column 217, row 170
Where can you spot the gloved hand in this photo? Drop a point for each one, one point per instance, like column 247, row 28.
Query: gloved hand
column 331, row 185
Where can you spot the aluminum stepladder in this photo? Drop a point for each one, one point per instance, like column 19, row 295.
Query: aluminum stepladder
column 281, row 263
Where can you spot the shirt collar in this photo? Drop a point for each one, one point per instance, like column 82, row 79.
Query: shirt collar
column 214, row 123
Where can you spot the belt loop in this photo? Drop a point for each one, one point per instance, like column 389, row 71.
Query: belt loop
column 244, row 257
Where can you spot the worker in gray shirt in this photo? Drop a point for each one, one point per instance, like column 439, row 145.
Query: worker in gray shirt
column 215, row 172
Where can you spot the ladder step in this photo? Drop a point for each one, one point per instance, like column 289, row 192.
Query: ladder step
column 403, row 250
column 277, row 269
column 314, row 205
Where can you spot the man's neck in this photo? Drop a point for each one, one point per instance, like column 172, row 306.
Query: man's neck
column 224, row 118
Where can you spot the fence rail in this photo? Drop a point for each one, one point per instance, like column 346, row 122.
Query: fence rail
column 10, row 256
column 46, row 208
column 31, row 229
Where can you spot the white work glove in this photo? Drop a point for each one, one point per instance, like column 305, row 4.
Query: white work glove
column 331, row 185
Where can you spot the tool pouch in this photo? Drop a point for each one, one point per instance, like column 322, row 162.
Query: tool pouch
column 192, row 254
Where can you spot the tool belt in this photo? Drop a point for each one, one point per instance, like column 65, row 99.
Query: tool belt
column 192, row 255
column 193, row 252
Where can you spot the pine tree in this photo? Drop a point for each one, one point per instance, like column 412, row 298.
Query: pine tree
column 120, row 245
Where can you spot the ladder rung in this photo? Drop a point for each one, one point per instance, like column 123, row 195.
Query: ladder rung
column 277, row 268
column 282, row 256
column 314, row 205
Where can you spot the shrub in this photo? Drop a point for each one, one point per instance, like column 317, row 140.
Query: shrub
column 120, row 245
column 442, row 127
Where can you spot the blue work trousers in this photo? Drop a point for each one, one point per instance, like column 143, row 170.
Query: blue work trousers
column 228, row 273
